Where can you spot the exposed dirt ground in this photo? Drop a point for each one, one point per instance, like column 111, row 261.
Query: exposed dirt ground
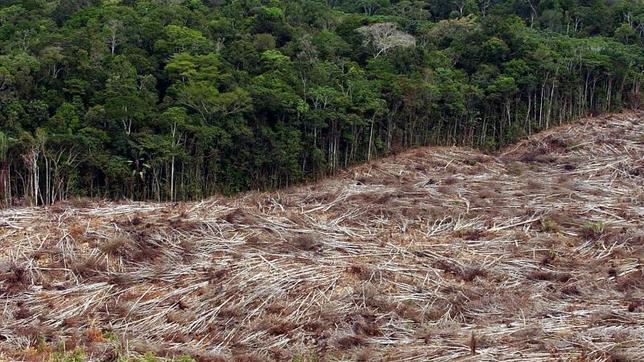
column 534, row 253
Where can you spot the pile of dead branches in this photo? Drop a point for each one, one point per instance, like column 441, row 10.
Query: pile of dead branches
column 439, row 253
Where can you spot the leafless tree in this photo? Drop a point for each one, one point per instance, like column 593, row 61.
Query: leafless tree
column 384, row 37
column 484, row 6
column 113, row 29
column 460, row 4
column 533, row 10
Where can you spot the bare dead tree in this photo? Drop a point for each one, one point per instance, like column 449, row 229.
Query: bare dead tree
column 384, row 37
column 460, row 4
column 533, row 10
column 113, row 29
column 484, row 5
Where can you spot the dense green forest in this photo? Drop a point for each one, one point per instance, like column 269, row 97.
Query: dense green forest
column 180, row 99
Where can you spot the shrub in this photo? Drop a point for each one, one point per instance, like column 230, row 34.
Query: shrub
column 550, row 226
column 592, row 230
column 185, row 358
column 515, row 169
column 77, row 355
column 148, row 357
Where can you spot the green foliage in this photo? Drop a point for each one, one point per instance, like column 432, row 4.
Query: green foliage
column 110, row 336
column 183, row 39
column 275, row 57
column 77, row 355
column 148, row 357
column 550, row 226
column 176, row 100
column 4, row 146
column 592, row 230
column 185, row 358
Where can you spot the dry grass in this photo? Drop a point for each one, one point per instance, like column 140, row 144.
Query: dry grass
column 534, row 253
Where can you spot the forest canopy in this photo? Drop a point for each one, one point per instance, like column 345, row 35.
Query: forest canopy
column 181, row 99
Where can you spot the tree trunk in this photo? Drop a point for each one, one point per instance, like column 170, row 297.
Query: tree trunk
column 3, row 183
column 172, row 179
column 370, row 140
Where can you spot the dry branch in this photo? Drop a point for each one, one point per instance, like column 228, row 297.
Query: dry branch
column 427, row 257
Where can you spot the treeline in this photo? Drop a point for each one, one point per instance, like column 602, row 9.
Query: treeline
column 176, row 100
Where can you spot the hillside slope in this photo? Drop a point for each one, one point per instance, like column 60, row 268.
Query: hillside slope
column 532, row 254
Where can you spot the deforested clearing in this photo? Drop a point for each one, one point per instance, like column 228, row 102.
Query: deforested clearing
column 533, row 253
